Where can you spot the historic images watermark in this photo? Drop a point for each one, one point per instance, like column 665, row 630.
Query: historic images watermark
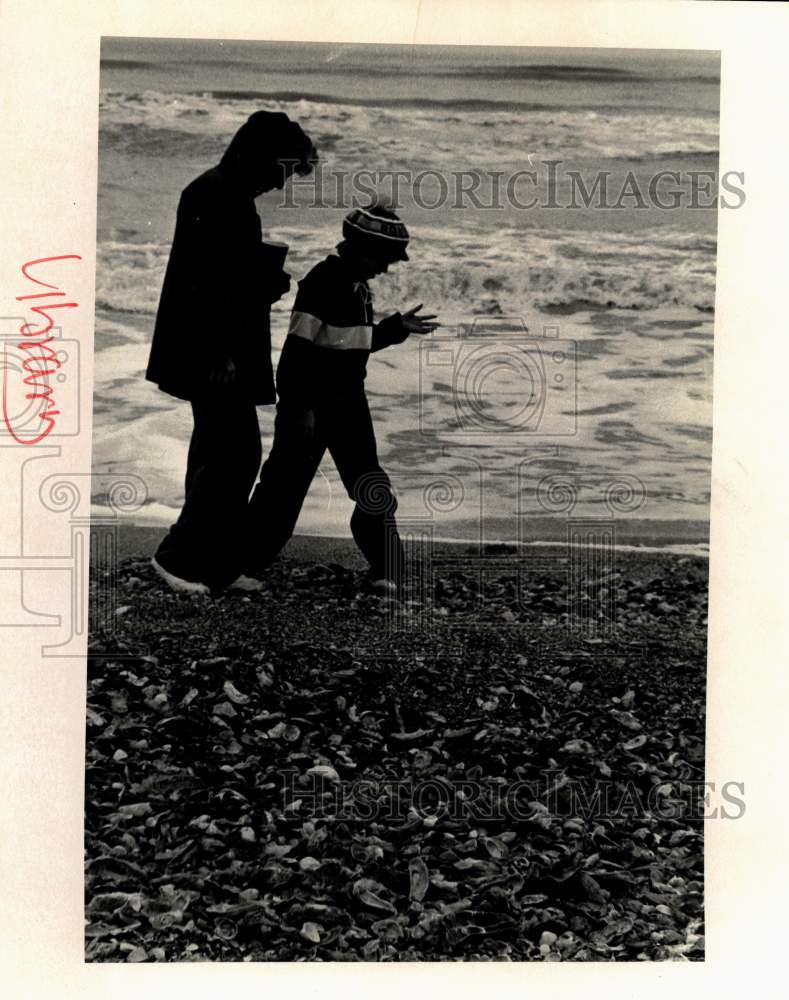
column 320, row 793
column 546, row 184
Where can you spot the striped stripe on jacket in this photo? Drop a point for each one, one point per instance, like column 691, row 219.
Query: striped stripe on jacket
column 331, row 334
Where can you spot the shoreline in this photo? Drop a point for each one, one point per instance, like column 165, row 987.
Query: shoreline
column 140, row 540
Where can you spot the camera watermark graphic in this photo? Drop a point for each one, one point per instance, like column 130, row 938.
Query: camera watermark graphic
column 500, row 380
column 40, row 382
column 508, row 390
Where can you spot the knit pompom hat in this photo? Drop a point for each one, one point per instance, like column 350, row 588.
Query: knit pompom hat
column 378, row 230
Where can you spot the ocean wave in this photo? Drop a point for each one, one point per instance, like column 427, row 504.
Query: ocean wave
column 108, row 63
column 671, row 154
column 426, row 133
column 504, row 71
column 519, row 290
column 461, row 270
column 514, row 272
column 448, row 104
column 410, row 68
column 583, row 74
column 141, row 139
column 129, row 276
column 439, row 104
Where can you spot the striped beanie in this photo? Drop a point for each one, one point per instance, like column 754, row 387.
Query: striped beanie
column 378, row 230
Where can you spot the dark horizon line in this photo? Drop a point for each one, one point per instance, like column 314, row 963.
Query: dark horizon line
column 524, row 71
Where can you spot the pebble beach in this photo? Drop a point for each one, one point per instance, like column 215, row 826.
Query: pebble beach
column 312, row 772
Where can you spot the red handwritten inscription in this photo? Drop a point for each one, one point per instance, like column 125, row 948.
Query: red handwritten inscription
column 42, row 360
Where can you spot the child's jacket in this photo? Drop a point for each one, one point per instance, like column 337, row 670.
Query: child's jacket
column 330, row 337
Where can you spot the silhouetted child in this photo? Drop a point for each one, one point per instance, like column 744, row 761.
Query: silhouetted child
column 322, row 404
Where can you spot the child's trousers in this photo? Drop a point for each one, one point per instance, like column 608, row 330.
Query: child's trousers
column 343, row 425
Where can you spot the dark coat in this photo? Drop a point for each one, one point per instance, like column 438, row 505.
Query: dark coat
column 332, row 332
column 215, row 301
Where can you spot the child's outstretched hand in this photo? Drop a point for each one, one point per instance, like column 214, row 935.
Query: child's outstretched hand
column 419, row 324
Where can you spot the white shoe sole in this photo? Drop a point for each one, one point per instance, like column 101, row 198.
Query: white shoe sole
column 247, row 583
column 177, row 584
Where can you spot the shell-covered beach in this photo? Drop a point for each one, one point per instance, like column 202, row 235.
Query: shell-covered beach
column 314, row 773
